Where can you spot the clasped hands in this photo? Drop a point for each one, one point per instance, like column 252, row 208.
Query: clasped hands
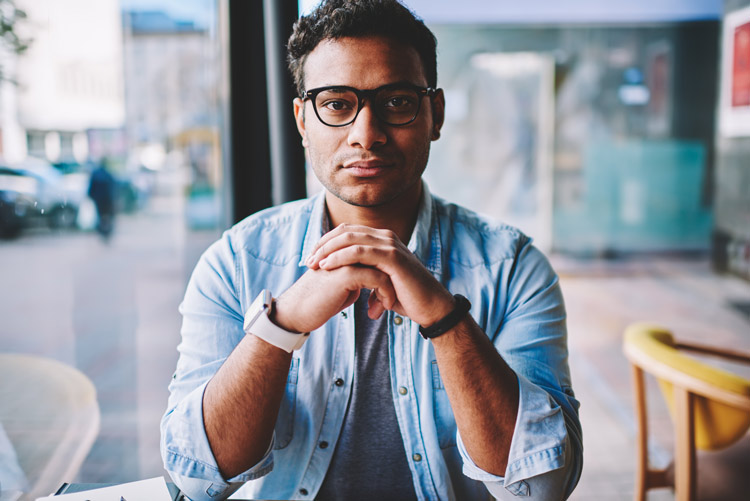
column 351, row 258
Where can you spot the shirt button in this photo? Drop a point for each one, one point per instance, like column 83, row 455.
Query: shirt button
column 339, row 382
column 403, row 390
column 417, row 457
column 303, row 492
column 323, row 445
column 398, row 320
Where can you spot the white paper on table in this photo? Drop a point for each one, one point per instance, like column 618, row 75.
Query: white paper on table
column 153, row 489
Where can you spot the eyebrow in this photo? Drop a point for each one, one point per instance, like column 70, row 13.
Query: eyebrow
column 398, row 82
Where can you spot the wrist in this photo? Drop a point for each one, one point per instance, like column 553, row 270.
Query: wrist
column 439, row 310
column 448, row 322
column 258, row 323
column 279, row 315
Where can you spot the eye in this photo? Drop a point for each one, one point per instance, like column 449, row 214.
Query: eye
column 399, row 101
column 336, row 101
column 335, row 105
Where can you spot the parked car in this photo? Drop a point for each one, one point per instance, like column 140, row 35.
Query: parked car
column 13, row 209
column 45, row 194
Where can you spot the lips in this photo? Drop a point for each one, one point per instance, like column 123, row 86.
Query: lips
column 367, row 168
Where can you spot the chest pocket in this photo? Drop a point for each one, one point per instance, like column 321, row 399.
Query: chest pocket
column 445, row 422
column 285, row 421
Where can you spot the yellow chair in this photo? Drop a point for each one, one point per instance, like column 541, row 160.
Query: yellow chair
column 710, row 407
column 50, row 413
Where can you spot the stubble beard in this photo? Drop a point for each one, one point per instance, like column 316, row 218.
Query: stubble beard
column 361, row 196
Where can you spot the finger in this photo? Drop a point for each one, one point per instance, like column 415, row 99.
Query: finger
column 338, row 230
column 353, row 296
column 383, row 258
column 375, row 309
column 338, row 241
column 370, row 278
column 372, row 298
column 346, row 235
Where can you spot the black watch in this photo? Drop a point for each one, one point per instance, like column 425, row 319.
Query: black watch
column 449, row 321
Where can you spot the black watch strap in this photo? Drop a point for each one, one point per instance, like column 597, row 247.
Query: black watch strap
column 449, row 321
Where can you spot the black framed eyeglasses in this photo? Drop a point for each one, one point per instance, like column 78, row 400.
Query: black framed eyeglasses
column 394, row 104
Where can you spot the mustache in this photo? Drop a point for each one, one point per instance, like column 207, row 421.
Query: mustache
column 346, row 160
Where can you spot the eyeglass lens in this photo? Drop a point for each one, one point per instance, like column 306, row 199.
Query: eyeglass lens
column 394, row 106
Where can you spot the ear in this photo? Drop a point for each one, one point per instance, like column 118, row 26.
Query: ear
column 438, row 113
column 299, row 118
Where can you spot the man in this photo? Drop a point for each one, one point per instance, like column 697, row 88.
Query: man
column 436, row 361
column 102, row 187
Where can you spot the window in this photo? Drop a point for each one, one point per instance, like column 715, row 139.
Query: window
column 133, row 86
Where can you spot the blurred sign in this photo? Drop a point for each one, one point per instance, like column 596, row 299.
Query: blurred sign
column 659, row 81
column 735, row 75
column 741, row 66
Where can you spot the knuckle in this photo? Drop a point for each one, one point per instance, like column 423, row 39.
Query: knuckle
column 390, row 253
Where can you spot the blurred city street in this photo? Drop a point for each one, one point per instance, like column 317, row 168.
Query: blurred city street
column 111, row 310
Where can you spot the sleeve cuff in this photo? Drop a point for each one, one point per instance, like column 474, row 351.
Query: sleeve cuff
column 537, row 447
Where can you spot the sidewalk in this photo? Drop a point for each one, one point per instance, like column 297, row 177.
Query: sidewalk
column 602, row 298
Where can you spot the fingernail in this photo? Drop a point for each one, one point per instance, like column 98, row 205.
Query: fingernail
column 309, row 259
column 322, row 263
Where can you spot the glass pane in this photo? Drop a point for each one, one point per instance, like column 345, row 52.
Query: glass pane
column 594, row 140
column 110, row 187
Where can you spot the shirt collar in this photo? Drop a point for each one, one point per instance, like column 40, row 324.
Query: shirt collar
column 424, row 243
column 425, row 240
column 317, row 226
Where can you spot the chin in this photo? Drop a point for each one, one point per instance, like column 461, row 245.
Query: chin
column 366, row 197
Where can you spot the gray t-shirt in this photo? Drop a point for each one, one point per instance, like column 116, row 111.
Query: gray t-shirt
column 369, row 462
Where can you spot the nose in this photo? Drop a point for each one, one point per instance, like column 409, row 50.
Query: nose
column 366, row 131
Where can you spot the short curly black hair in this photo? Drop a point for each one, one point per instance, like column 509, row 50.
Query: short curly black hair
column 334, row 19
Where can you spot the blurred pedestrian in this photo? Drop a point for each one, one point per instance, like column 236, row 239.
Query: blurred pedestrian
column 102, row 192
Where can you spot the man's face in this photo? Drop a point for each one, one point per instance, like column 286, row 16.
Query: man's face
column 367, row 163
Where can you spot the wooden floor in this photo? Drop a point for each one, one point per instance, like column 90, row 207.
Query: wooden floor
column 111, row 311
column 602, row 297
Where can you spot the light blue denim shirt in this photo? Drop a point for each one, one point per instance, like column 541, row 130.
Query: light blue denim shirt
column 515, row 298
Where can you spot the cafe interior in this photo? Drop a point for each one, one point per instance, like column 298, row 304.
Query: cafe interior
column 616, row 135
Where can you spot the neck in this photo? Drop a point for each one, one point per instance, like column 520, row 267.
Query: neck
column 399, row 216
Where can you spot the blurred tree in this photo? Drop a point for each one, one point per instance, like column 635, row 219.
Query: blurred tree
column 10, row 42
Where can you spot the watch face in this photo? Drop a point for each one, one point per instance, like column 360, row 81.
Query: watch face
column 256, row 309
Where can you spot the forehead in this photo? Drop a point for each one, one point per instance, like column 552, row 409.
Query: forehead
column 362, row 62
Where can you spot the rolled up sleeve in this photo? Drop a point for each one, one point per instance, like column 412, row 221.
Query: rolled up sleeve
column 545, row 457
column 211, row 328
column 188, row 457
column 543, row 462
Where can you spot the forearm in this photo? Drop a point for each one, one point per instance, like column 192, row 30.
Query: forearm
column 241, row 404
column 483, row 391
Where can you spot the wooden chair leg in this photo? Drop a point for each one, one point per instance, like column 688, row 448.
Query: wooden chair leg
column 684, row 445
column 641, row 444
